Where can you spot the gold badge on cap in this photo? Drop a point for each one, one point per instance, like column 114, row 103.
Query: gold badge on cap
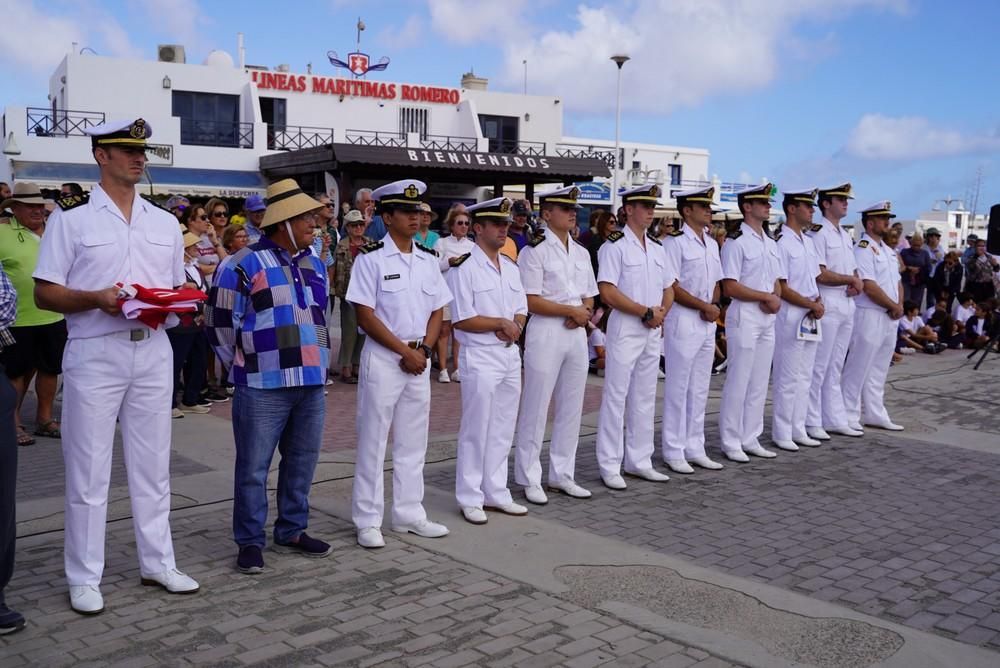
column 654, row 191
column 574, row 192
column 138, row 129
column 505, row 206
column 411, row 192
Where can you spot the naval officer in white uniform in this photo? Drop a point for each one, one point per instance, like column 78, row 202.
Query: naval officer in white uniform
column 559, row 282
column 397, row 289
column 113, row 368
column 636, row 280
column 880, row 306
column 489, row 310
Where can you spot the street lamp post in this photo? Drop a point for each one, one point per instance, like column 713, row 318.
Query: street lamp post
column 619, row 60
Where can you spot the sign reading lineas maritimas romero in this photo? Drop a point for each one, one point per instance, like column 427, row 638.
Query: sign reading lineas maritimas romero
column 301, row 83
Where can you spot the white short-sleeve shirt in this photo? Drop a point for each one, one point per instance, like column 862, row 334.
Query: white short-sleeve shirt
column 751, row 259
column 556, row 271
column 90, row 246
column 450, row 247
column 640, row 273
column 877, row 262
column 480, row 289
column 835, row 250
column 698, row 262
column 404, row 289
column 799, row 262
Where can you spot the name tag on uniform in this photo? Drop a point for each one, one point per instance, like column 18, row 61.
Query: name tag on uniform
column 389, row 277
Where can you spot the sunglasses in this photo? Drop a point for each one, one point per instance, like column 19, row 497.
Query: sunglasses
column 220, row 214
column 202, row 217
column 461, row 222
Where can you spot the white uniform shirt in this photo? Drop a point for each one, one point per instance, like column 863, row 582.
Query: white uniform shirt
column 556, row 272
column 403, row 288
column 835, row 249
column 752, row 260
column 92, row 247
column 641, row 274
column 877, row 262
column 799, row 263
column 699, row 266
column 449, row 247
column 480, row 289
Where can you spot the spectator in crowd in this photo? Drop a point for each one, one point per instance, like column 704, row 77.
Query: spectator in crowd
column 321, row 243
column 947, row 278
column 427, row 237
column 597, row 340
column 363, row 202
column 979, row 270
column 210, row 250
column 188, row 342
column 970, row 247
column 4, row 190
column 328, row 218
column 234, row 238
column 917, row 262
column 71, row 189
column 946, row 329
column 892, row 237
column 39, row 335
column 898, row 237
column 177, row 205
column 254, row 206
column 351, row 341
column 934, row 247
column 963, row 309
column 520, row 231
column 11, row 621
column 602, row 223
column 914, row 334
column 940, row 305
column 278, row 328
column 718, row 233
column 218, row 214
column 449, row 250
column 978, row 327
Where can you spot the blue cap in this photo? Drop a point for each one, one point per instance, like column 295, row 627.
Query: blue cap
column 254, row 203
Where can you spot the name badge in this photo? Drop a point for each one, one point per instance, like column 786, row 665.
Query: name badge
column 389, row 277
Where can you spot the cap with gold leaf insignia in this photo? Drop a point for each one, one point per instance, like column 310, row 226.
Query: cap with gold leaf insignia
column 405, row 195
column 881, row 208
column 801, row 196
column 645, row 194
column 495, row 210
column 843, row 190
column 704, row 195
column 120, row 133
column 764, row 192
column 564, row 197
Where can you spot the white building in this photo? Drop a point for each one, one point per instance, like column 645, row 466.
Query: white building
column 955, row 224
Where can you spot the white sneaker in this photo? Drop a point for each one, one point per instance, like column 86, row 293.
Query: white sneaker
column 907, row 351
column 176, row 413
column 679, row 466
column 758, row 450
column 818, row 433
column 474, row 515
column 706, row 463
column 784, row 445
column 172, row 580
column 738, row 456
column 722, row 365
column 652, row 475
column 443, row 377
column 570, row 488
column 86, row 599
column 454, row 376
column 888, row 426
column 424, row 528
column 508, row 508
column 806, row 440
column 197, row 408
column 614, row 481
column 535, row 494
column 371, row 538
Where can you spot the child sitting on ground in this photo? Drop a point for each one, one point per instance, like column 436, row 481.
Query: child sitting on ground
column 914, row 334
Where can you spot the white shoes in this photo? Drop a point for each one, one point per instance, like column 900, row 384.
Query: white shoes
column 424, row 528
column 706, row 463
column 172, row 580
column 757, row 450
column 856, row 426
column 508, row 509
column 370, row 538
column 652, row 475
column 474, row 515
column 443, row 377
column 570, row 488
column 849, row 430
column 737, row 456
column 888, row 426
column 806, row 440
column 679, row 466
column 454, row 376
column 614, row 481
column 535, row 494
column 817, row 433
column 86, row 599
column 784, row 445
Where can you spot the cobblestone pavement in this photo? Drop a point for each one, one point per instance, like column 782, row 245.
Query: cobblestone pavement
column 399, row 606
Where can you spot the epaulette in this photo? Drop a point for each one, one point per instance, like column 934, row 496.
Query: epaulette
column 426, row 249
column 675, row 233
column 537, row 239
column 150, row 200
column 654, row 239
column 615, row 236
column 72, row 201
column 863, row 243
column 507, row 257
column 735, row 234
column 460, row 259
column 815, row 228
column 373, row 246
column 777, row 236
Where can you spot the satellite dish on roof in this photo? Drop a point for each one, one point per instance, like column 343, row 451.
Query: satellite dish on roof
column 220, row 59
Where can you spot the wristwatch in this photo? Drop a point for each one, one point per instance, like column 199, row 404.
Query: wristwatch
column 648, row 315
column 427, row 349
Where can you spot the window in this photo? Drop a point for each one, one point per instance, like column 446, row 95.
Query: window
column 501, row 131
column 675, row 174
column 413, row 120
column 637, row 164
column 211, row 119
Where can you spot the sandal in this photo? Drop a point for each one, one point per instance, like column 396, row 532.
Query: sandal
column 47, row 430
column 23, row 437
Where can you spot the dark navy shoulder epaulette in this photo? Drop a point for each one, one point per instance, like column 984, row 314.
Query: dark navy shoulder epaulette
column 735, row 234
column 815, row 228
column 615, row 236
column 455, row 261
column 537, row 239
column 426, row 249
column 654, row 239
column 72, row 201
column 373, row 246
column 863, row 243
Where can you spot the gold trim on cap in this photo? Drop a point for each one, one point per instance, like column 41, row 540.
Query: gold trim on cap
column 558, row 200
column 123, row 140
column 415, row 202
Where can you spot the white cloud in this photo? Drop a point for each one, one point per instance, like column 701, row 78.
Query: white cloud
column 183, row 22
column 466, row 21
column 878, row 137
column 412, row 33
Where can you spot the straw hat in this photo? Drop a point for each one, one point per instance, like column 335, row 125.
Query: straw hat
column 25, row 192
column 353, row 216
column 286, row 200
column 426, row 208
column 190, row 239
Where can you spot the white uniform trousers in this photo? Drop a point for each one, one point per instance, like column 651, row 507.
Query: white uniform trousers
column 688, row 351
column 388, row 397
column 793, row 364
column 867, row 366
column 826, row 396
column 629, row 398
column 749, row 348
column 104, row 378
column 491, row 388
column 555, row 360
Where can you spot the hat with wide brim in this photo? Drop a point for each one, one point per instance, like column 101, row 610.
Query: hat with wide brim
column 285, row 200
column 426, row 208
column 191, row 239
column 25, row 192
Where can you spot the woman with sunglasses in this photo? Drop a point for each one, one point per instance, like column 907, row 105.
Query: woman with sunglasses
column 218, row 214
column 449, row 249
column 210, row 250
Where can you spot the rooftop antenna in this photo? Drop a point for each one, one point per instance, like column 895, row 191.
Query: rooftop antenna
column 361, row 26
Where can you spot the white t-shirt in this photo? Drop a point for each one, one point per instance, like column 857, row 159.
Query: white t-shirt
column 596, row 338
column 907, row 326
column 962, row 313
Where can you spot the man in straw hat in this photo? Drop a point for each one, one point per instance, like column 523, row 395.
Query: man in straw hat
column 266, row 318
column 113, row 367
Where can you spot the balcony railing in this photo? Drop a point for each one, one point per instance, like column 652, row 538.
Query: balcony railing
column 511, row 147
column 375, row 138
column 230, row 134
column 293, row 137
column 448, row 143
column 61, row 122
column 607, row 156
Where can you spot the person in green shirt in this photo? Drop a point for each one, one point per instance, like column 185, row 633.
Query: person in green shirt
column 39, row 335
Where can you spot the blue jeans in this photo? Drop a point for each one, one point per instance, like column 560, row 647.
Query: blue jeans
column 290, row 419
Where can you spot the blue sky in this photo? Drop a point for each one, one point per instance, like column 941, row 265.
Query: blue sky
column 898, row 96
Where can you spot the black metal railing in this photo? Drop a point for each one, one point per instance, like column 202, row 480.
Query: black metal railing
column 449, row 143
column 229, row 134
column 374, row 138
column 605, row 155
column 293, row 137
column 510, row 147
column 61, row 122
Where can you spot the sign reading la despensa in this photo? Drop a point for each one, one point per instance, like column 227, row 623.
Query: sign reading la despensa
column 301, row 83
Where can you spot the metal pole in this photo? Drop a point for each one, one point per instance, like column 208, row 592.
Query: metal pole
column 618, row 60
column 525, row 63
